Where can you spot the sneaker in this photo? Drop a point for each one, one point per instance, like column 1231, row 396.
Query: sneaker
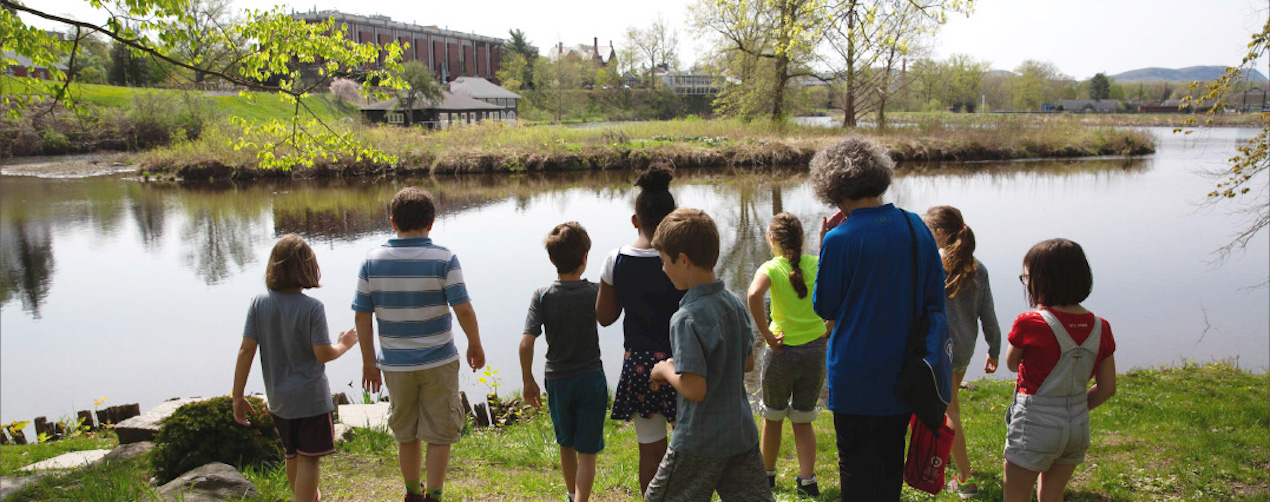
column 807, row 487
column 410, row 497
column 963, row 490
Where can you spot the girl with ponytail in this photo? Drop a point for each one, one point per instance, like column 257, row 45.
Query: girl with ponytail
column 795, row 368
column 969, row 303
column 633, row 282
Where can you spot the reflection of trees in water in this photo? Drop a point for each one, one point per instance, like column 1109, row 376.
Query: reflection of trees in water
column 225, row 224
column 26, row 262
column 149, row 214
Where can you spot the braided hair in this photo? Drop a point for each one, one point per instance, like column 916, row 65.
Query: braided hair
column 959, row 250
column 786, row 231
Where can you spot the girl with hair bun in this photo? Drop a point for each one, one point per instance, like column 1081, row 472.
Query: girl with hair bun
column 968, row 304
column 633, row 282
column 795, row 368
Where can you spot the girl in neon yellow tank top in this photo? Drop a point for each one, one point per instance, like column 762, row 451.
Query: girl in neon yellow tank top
column 794, row 371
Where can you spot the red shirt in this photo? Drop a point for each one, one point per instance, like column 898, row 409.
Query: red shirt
column 1040, row 349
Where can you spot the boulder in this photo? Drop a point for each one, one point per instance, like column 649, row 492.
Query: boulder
column 72, row 460
column 145, row 427
column 9, row 486
column 211, row 482
column 127, row 451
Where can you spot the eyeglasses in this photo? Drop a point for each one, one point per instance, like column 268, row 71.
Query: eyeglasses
column 1023, row 279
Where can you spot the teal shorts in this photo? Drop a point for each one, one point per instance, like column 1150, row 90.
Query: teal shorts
column 578, row 406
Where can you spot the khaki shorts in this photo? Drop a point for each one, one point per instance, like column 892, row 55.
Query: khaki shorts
column 424, row 404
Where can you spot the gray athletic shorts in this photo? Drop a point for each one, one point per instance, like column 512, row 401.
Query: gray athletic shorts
column 792, row 381
column 1044, row 431
column 689, row 478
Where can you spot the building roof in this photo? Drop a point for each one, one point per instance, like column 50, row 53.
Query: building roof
column 479, row 88
column 1094, row 104
column 449, row 103
column 25, row 62
column 387, row 22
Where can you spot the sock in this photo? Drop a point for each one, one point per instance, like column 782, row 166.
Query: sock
column 771, row 473
column 414, row 488
column 807, row 481
column 433, row 493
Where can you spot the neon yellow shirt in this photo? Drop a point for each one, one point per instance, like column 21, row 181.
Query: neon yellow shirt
column 792, row 315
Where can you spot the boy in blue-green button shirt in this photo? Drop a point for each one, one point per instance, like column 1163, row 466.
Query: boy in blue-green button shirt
column 715, row 443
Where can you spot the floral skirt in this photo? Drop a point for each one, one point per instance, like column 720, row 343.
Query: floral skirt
column 634, row 397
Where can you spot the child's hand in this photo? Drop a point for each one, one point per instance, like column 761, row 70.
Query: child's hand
column 475, row 356
column 348, row 338
column 657, row 377
column 776, row 342
column 533, row 395
column 372, row 379
column 990, row 366
column 241, row 407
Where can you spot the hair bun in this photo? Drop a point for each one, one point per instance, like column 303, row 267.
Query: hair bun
column 656, row 178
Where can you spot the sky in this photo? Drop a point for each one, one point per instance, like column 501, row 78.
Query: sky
column 1081, row 37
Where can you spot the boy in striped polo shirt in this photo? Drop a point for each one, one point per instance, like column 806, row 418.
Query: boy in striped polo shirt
column 409, row 284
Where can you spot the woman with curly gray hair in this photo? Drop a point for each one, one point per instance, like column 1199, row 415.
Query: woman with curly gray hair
column 865, row 285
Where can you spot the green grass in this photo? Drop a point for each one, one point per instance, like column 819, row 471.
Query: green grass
column 1195, row 432
column 13, row 457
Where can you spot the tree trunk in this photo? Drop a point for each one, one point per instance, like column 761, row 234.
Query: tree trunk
column 778, row 89
column 848, row 105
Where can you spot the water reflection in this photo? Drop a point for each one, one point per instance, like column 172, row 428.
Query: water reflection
column 26, row 262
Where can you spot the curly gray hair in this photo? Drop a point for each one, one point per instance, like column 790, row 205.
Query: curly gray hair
column 854, row 168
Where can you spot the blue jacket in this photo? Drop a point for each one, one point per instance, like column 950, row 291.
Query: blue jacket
column 865, row 285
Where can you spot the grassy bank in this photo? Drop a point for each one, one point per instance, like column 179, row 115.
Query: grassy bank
column 1185, row 433
column 497, row 147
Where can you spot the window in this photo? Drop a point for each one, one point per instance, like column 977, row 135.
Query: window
column 395, row 117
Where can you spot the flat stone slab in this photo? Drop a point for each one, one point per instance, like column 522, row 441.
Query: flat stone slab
column 72, row 460
column 213, row 482
column 9, row 486
column 145, row 427
column 369, row 416
column 127, row 451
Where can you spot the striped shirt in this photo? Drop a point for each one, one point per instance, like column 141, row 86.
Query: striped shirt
column 410, row 285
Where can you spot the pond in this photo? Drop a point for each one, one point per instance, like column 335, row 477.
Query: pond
column 111, row 287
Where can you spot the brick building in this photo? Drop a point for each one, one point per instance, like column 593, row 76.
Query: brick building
column 449, row 54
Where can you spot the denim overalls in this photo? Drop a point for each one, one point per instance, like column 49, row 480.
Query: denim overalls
column 1052, row 425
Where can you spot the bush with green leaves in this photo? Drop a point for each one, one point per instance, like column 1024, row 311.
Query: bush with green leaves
column 205, row 431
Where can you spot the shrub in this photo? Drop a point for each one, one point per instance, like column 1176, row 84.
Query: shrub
column 205, row 431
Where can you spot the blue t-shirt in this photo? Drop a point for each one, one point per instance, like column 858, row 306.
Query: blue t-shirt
column 712, row 335
column 865, row 285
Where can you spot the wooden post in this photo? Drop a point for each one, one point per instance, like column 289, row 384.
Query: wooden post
column 42, row 427
column 88, row 419
column 4, row 438
column 19, row 437
column 467, row 406
column 482, row 420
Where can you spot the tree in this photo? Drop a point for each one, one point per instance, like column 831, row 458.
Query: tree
column 512, row 71
column 155, row 28
column 644, row 50
column 1246, row 175
column 421, row 85
column 1039, row 82
column 783, row 33
column 528, row 55
column 129, row 69
column 558, row 77
column 1100, row 87
column 208, row 42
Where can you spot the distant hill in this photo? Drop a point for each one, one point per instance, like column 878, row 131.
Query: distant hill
column 1190, row 74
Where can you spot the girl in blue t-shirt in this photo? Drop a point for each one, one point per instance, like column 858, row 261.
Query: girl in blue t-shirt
column 633, row 281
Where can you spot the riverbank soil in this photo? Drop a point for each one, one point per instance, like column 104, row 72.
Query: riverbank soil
column 1196, row 432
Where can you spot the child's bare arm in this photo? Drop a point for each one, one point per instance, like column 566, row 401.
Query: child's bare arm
column 758, row 312
column 371, row 378
column 246, row 354
column 532, row 393
column 607, row 308
column 328, row 352
column 467, row 320
column 690, row 385
column 1012, row 356
column 1104, row 383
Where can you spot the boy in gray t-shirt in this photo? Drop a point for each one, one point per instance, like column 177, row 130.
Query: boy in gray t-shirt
column 715, row 444
column 577, row 391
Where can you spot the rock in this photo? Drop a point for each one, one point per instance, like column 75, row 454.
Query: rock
column 127, row 451
column 70, row 460
column 9, row 486
column 341, row 432
column 211, row 482
column 145, row 427
column 340, row 398
column 370, row 416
